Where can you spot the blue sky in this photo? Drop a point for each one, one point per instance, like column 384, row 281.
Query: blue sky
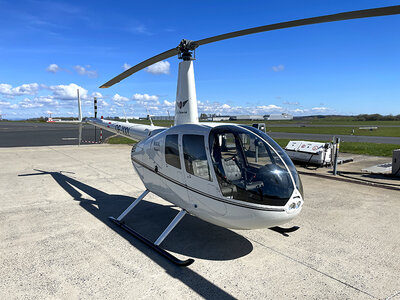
column 49, row 48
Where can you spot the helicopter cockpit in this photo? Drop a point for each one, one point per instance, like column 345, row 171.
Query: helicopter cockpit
column 251, row 167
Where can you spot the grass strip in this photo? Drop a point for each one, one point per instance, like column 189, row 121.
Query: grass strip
column 381, row 131
column 357, row 147
column 120, row 140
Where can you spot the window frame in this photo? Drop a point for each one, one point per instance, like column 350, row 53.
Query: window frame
column 178, row 155
column 207, row 158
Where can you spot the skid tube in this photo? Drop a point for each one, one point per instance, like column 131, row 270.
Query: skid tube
column 155, row 246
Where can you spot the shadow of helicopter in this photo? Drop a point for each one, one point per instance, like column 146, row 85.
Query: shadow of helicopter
column 105, row 205
column 196, row 238
column 192, row 237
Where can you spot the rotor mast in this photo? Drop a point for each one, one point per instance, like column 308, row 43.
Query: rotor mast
column 186, row 111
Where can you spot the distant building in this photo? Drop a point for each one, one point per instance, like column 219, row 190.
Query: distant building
column 277, row 117
column 247, row 118
column 218, row 118
column 160, row 118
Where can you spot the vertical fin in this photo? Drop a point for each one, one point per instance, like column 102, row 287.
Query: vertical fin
column 79, row 107
column 79, row 118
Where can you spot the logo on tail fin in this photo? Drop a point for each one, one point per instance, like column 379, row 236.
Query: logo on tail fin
column 181, row 103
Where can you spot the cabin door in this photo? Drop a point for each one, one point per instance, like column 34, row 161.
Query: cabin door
column 198, row 176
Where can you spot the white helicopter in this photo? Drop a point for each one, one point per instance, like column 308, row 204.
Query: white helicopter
column 230, row 175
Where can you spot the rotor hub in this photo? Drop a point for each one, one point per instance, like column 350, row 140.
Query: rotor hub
column 186, row 49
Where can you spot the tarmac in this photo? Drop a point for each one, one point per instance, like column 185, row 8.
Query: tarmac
column 23, row 134
column 57, row 243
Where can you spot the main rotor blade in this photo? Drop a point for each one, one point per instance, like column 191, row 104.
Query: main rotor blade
column 358, row 14
column 140, row 66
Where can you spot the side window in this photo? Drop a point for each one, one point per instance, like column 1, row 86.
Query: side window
column 172, row 151
column 194, row 153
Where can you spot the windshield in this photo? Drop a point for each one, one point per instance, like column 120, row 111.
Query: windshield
column 247, row 168
column 282, row 154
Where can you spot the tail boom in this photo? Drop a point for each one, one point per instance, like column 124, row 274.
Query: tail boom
column 129, row 130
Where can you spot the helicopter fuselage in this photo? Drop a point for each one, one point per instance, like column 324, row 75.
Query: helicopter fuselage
column 179, row 165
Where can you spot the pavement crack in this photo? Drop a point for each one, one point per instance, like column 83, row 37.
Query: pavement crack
column 316, row 270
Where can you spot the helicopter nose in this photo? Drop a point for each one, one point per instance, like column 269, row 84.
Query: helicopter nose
column 295, row 203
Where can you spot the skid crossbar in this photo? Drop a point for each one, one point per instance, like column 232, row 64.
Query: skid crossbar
column 155, row 246
column 136, row 202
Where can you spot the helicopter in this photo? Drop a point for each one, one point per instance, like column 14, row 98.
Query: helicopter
column 230, row 175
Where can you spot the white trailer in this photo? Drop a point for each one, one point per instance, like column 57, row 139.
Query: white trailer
column 314, row 153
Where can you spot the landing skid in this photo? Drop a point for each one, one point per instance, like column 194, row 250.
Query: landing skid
column 155, row 246
column 284, row 231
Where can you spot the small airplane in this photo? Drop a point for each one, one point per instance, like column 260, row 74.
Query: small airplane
column 230, row 175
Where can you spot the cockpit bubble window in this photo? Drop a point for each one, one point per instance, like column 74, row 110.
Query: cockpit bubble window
column 282, row 154
column 195, row 156
column 248, row 168
column 172, row 151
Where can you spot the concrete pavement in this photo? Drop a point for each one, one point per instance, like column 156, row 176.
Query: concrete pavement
column 56, row 241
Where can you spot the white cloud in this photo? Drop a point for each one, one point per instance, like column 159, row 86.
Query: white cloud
column 39, row 102
column 27, row 89
column 320, row 109
column 225, row 109
column 28, row 103
column 145, row 97
column 53, row 68
column 118, row 98
column 269, row 107
column 103, row 103
column 161, row 67
column 47, row 100
column 84, row 71
column 24, row 89
column 7, row 104
column 97, row 95
column 167, row 103
column 140, row 29
column 125, row 66
column 68, row 92
column 4, row 103
column 278, row 68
